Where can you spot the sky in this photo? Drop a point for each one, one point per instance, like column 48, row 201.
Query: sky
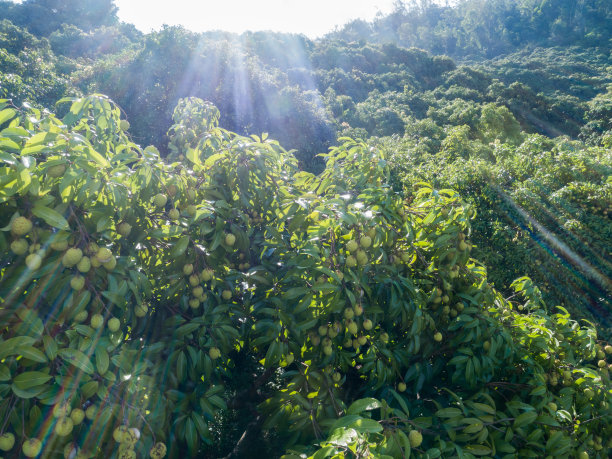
column 312, row 18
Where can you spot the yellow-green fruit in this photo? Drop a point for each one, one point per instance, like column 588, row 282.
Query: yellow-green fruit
column 214, row 353
column 124, row 229
column 351, row 261
column 194, row 280
column 124, row 125
column 141, row 310
column 64, row 426
column 207, row 275
column 367, row 324
column 61, row 410
column 608, row 349
column 126, row 453
column 104, row 255
column 463, row 246
column 21, row 226
column 31, row 447
column 95, row 263
column 349, row 313
column 352, row 245
column 384, row 337
column 120, row 433
column 7, row 441
column 91, row 412
column 372, row 233
column 56, row 171
column 230, row 239
column 601, row 354
column 173, row 214
column 59, row 246
column 194, row 303
column 92, row 248
column 322, row 330
column 80, row 317
column 486, row 345
column 110, row 264
column 601, row 363
column 71, row 451
column 77, row 282
column 19, row 247
column 362, row 340
column 362, row 257
column 160, row 200
column 352, row 328
column 415, row 438
column 327, row 350
column 198, row 292
column 226, row 295
column 113, row 324
column 336, row 377
column 401, row 387
column 358, row 310
column 365, row 242
column 158, row 451
column 190, row 210
column 552, row 406
column 438, row 336
column 72, row 257
column 84, row 265
column 191, row 194
column 96, row 321
column 77, row 415
column 583, row 455
column 188, row 269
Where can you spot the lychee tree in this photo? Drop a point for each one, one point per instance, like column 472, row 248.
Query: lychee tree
column 229, row 304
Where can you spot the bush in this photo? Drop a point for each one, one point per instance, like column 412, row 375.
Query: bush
column 151, row 303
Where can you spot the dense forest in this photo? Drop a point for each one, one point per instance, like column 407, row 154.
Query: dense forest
column 476, row 133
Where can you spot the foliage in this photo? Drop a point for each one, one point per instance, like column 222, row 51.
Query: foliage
column 543, row 207
column 330, row 312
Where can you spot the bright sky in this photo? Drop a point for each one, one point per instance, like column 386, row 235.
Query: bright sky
column 313, row 18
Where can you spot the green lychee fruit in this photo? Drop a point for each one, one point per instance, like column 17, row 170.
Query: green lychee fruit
column 21, row 226
column 226, row 295
column 230, row 239
column 367, row 324
column 124, row 229
column 72, row 257
column 438, row 337
column 158, row 451
column 33, row 261
column 31, row 447
column 64, row 426
column 113, row 324
column 351, row 261
column 401, row 387
column 352, row 245
column 77, row 415
column 96, row 321
column 19, row 247
column 365, row 241
column 160, row 200
column 214, row 353
column 77, row 282
column 416, row 438
column 7, row 441
column 174, row 214
column 188, row 269
column 104, row 255
column 84, row 265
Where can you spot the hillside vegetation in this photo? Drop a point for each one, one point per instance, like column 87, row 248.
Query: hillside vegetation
column 418, row 265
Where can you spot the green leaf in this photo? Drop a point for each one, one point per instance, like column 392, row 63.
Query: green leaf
column 12, row 345
column 366, row 425
column 364, row 404
column 51, row 217
column 7, row 114
column 478, row 450
column 31, row 379
column 76, row 358
column 33, row 354
column 524, row 419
